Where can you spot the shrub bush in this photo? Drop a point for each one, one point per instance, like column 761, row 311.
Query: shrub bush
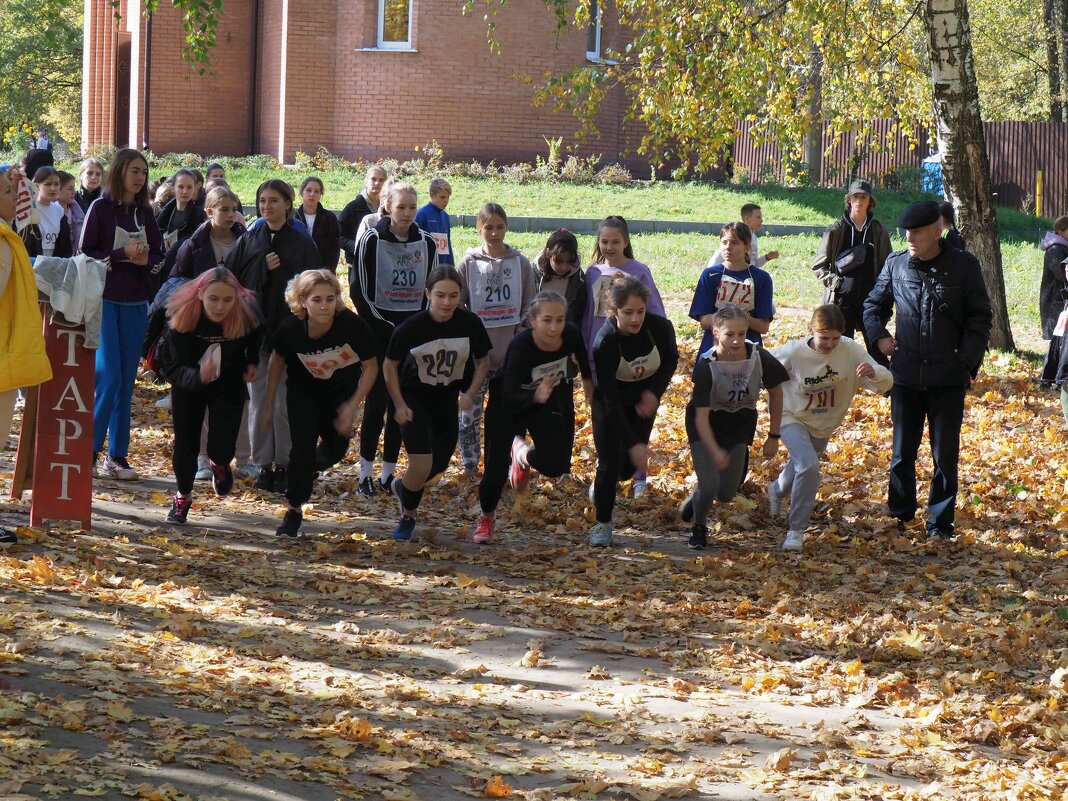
column 614, row 174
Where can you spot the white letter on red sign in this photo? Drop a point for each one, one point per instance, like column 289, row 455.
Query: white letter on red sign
column 64, row 435
column 72, row 343
column 63, row 496
column 72, row 389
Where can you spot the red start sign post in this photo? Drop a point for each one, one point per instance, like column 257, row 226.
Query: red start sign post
column 63, row 443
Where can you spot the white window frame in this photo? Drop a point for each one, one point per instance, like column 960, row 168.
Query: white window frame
column 382, row 44
column 595, row 24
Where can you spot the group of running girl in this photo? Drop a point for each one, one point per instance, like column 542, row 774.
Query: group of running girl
column 489, row 351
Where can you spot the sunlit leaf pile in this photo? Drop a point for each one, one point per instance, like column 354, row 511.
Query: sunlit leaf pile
column 215, row 662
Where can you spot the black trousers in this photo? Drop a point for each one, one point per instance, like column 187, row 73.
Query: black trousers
column 378, row 411
column 316, row 444
column 551, row 427
column 613, row 455
column 433, row 431
column 224, row 406
column 943, row 411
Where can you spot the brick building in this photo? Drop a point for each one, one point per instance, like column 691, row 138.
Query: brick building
column 364, row 78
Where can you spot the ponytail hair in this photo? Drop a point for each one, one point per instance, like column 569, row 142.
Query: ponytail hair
column 727, row 312
column 827, row 317
column 186, row 305
column 617, row 223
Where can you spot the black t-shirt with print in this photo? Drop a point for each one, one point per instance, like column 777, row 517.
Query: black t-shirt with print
column 327, row 367
column 437, row 359
column 525, row 365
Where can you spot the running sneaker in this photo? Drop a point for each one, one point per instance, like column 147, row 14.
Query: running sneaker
column 385, row 483
column 795, row 541
column 222, row 479
column 118, row 467
column 7, row 538
column 164, row 402
column 484, row 529
column 204, row 472
column 698, row 537
column 265, row 480
column 179, row 510
column 639, row 487
column 404, row 529
column 290, row 526
column 366, row 486
column 519, row 475
column 774, row 501
column 686, row 509
column 248, row 470
column 601, row 535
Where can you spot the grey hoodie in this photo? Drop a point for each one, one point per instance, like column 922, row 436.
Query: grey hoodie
column 499, row 291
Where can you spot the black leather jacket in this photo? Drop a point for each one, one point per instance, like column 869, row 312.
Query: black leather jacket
column 935, row 348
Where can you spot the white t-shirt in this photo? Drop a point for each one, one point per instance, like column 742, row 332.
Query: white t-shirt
column 51, row 218
column 309, row 220
column 821, row 387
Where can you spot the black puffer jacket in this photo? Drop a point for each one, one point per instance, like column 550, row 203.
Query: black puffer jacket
column 196, row 255
column 934, row 348
column 248, row 261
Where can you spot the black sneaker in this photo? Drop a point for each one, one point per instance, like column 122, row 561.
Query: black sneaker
column 367, row 486
column 179, row 510
column 698, row 537
column 222, row 479
column 265, row 480
column 279, row 480
column 7, row 538
column 686, row 509
column 942, row 534
column 290, row 524
column 385, row 484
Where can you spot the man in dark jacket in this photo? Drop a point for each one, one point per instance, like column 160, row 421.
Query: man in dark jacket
column 942, row 326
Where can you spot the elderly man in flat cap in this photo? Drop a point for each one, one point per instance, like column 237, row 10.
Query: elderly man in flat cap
column 942, row 325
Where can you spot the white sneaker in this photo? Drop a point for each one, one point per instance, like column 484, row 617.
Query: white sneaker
column 203, row 469
column 164, row 402
column 120, row 468
column 794, row 541
column 639, row 488
column 601, row 535
column 774, row 501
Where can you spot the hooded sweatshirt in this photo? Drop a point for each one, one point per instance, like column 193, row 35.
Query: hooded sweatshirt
column 499, row 291
column 1053, row 289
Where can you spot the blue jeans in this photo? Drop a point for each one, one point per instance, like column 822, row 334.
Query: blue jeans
column 122, row 331
column 943, row 411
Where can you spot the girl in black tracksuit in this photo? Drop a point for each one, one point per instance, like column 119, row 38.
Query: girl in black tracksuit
column 264, row 260
column 348, row 221
column 431, row 357
column 208, row 352
column 537, row 397
column 635, row 354
column 387, row 288
column 331, row 358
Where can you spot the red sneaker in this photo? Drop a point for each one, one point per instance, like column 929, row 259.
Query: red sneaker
column 484, row 530
column 518, row 476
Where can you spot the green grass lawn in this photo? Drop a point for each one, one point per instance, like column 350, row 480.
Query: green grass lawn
column 661, row 200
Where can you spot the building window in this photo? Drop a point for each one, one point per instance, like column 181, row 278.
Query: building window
column 593, row 32
column 395, row 24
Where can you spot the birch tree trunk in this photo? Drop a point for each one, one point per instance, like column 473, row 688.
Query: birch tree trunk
column 965, row 166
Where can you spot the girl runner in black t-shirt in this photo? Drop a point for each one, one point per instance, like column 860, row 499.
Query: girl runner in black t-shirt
column 635, row 354
column 430, row 357
column 208, row 353
column 330, row 357
column 537, row 396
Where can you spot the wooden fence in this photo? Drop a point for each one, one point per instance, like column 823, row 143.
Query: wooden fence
column 1018, row 152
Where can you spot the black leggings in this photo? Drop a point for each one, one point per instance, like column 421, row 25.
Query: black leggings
column 309, row 420
column 613, row 455
column 379, row 408
column 224, row 405
column 552, row 429
column 433, row 431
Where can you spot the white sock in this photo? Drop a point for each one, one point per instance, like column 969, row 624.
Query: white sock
column 388, row 469
column 366, row 465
